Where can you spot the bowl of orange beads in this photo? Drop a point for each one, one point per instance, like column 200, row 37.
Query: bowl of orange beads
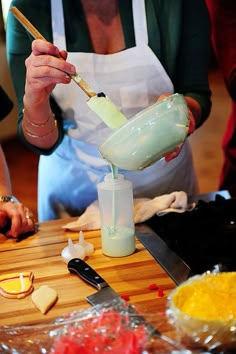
column 203, row 310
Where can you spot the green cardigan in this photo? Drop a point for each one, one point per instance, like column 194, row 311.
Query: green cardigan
column 178, row 32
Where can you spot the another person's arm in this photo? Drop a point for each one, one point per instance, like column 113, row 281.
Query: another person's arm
column 15, row 218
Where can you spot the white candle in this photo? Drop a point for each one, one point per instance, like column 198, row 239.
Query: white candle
column 22, row 283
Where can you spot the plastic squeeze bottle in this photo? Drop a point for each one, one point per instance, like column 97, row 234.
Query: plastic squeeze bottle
column 115, row 197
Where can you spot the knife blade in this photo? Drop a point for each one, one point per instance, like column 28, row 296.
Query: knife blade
column 173, row 265
column 106, row 294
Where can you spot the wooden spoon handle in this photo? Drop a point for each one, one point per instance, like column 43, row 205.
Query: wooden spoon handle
column 37, row 35
column 26, row 23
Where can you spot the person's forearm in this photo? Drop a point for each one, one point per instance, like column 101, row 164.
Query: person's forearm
column 5, row 182
column 39, row 125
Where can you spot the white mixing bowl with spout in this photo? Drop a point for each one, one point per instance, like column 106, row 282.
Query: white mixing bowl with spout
column 149, row 135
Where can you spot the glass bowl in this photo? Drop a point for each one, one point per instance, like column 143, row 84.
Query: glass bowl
column 149, row 135
column 203, row 310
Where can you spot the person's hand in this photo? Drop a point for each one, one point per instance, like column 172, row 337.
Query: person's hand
column 45, row 67
column 19, row 218
column 173, row 154
column 177, row 150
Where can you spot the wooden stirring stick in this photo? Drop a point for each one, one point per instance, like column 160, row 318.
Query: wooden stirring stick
column 37, row 35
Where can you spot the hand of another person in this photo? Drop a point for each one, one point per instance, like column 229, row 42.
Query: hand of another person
column 45, row 67
column 19, row 218
column 173, row 154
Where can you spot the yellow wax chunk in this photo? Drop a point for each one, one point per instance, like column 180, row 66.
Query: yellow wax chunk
column 211, row 297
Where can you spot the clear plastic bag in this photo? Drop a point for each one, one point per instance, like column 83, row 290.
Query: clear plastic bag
column 109, row 328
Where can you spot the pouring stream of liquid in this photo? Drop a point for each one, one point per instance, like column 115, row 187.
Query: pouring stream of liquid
column 114, row 172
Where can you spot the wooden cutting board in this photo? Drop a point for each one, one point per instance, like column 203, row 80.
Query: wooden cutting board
column 41, row 254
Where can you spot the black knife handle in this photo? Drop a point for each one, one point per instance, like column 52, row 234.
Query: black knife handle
column 87, row 273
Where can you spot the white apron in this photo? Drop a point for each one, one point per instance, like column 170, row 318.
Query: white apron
column 133, row 79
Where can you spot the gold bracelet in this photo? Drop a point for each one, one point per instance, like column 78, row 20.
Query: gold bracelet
column 39, row 125
column 40, row 136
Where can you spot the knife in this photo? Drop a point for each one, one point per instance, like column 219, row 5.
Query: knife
column 173, row 265
column 106, row 294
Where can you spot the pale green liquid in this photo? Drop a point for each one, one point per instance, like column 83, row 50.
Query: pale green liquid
column 114, row 171
column 117, row 241
column 120, row 243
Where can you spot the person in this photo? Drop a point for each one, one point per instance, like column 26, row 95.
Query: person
column 133, row 51
column 223, row 34
column 15, row 218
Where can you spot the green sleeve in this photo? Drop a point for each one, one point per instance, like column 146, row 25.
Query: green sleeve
column 181, row 40
column 193, row 61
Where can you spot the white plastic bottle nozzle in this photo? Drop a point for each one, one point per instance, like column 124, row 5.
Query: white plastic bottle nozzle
column 88, row 247
column 72, row 251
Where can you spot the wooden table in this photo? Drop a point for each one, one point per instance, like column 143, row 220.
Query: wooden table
column 41, row 254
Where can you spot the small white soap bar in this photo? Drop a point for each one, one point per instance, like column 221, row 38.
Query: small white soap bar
column 44, row 298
